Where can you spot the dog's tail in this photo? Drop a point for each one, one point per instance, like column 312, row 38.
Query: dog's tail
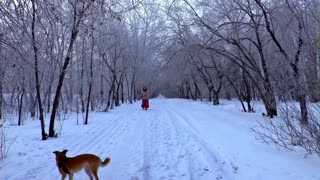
column 105, row 162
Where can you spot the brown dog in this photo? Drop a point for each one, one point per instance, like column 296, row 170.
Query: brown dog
column 70, row 165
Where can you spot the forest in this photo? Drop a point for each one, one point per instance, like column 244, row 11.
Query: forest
column 82, row 56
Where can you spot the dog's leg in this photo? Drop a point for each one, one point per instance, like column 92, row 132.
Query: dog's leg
column 63, row 176
column 95, row 174
column 70, row 176
column 94, row 170
column 88, row 171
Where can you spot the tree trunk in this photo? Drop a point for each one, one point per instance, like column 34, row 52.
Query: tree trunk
column 247, row 93
column 20, row 107
column 210, row 94
column 122, row 92
column 128, row 89
column 108, row 101
column 109, row 96
column 82, row 78
column 197, row 90
column 88, row 103
column 61, row 79
column 1, row 91
column 20, row 100
column 101, row 90
column 117, row 92
column 49, row 98
column 215, row 98
column 237, row 92
column 317, row 5
column 1, row 77
column 77, row 17
column 13, row 96
column 269, row 101
column 132, row 88
column 134, row 92
column 303, row 108
column 113, row 98
column 181, row 91
column 91, row 77
column 189, row 90
column 36, row 69
column 32, row 100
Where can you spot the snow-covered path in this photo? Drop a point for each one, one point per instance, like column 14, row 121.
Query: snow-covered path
column 175, row 139
column 158, row 144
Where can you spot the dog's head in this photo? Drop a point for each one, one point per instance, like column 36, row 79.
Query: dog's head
column 60, row 155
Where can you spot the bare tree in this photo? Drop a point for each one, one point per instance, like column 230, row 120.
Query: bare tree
column 239, row 40
column 1, row 76
column 91, row 72
column 36, row 69
column 79, row 10
column 293, row 60
column 288, row 133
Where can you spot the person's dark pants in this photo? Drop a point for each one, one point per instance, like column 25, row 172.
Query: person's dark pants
column 145, row 104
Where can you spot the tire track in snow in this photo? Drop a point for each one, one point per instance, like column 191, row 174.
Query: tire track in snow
column 149, row 137
column 110, row 134
column 216, row 164
column 171, row 150
column 189, row 120
column 131, row 155
column 156, row 155
column 146, row 149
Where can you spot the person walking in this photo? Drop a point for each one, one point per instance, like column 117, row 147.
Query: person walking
column 145, row 98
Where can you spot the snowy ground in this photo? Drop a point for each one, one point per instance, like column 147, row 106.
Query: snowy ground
column 176, row 139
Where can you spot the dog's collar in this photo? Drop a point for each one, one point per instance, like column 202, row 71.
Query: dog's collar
column 62, row 165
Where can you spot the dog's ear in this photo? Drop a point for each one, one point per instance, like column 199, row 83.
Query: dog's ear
column 64, row 151
column 55, row 152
